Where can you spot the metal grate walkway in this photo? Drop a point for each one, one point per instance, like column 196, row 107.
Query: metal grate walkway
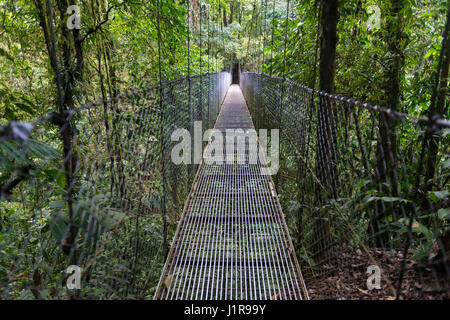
column 232, row 241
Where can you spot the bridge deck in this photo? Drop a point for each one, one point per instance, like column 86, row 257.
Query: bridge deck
column 232, row 241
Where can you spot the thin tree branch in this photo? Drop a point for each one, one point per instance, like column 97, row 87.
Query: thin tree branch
column 97, row 27
column 6, row 189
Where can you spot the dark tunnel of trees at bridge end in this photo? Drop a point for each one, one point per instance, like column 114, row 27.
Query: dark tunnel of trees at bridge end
column 358, row 89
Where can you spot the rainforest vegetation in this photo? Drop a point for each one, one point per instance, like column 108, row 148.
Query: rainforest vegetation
column 394, row 54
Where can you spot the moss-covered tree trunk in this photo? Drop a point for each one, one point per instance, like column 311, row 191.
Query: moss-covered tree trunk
column 386, row 152
column 439, row 104
column 325, row 148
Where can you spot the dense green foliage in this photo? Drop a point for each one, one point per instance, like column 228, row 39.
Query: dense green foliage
column 120, row 46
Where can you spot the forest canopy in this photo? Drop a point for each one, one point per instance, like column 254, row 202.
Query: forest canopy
column 117, row 47
column 376, row 71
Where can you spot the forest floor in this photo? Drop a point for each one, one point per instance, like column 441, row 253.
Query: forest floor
column 350, row 282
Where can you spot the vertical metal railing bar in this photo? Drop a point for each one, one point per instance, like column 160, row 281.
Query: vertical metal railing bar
column 87, row 194
column 81, row 191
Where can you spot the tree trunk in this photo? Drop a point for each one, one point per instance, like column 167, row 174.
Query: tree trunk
column 64, row 98
column 439, row 103
column 230, row 21
column 386, row 153
column 328, row 42
column 325, row 158
column 225, row 22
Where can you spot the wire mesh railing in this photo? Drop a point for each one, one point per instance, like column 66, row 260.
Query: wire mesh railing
column 355, row 181
column 232, row 242
column 94, row 188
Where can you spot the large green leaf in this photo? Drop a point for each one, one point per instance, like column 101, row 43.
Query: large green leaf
column 436, row 196
column 444, row 213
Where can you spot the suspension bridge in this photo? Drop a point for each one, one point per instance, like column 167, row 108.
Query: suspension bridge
column 232, row 241
column 99, row 191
